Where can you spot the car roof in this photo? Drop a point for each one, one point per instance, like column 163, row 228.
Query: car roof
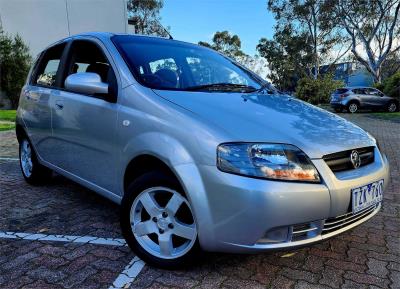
column 108, row 35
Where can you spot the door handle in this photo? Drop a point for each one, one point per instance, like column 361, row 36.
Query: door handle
column 59, row 104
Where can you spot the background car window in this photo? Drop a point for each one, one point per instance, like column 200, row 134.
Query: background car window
column 375, row 92
column 49, row 65
column 359, row 91
column 168, row 63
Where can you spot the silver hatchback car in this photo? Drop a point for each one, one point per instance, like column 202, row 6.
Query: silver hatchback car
column 200, row 152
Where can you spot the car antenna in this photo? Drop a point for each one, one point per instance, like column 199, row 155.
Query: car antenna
column 165, row 30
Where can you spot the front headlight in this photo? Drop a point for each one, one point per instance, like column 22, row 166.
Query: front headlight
column 269, row 161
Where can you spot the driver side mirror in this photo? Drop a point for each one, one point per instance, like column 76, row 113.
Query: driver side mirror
column 88, row 83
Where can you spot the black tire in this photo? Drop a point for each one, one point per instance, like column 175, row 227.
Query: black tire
column 353, row 107
column 389, row 107
column 142, row 183
column 338, row 109
column 39, row 174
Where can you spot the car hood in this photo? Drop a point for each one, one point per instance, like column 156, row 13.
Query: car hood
column 273, row 118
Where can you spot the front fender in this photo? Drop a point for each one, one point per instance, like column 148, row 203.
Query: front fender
column 179, row 160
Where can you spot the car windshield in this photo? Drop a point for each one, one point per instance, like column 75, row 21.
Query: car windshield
column 173, row 65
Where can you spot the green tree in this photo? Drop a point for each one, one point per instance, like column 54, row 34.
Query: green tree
column 289, row 57
column 312, row 20
column 146, row 16
column 224, row 42
column 391, row 85
column 15, row 62
column 374, row 29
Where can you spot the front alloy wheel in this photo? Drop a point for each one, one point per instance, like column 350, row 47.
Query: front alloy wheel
column 392, row 107
column 159, row 230
column 157, row 221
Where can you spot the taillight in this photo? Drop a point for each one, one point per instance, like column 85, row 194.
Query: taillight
column 344, row 95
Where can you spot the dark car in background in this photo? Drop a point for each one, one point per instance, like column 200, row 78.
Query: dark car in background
column 354, row 98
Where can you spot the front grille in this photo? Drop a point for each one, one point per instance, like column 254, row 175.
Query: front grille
column 336, row 223
column 341, row 161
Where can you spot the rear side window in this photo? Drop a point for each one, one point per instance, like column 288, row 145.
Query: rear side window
column 359, row 91
column 48, row 67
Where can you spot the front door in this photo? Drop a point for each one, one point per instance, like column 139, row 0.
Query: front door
column 84, row 125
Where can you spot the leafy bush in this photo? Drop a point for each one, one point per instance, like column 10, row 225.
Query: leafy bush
column 391, row 85
column 317, row 91
column 15, row 61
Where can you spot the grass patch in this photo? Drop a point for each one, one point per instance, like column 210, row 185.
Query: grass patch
column 7, row 120
column 6, row 126
column 8, row 115
column 387, row 115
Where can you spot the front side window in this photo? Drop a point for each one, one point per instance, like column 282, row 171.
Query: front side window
column 173, row 65
column 87, row 56
column 374, row 92
column 49, row 66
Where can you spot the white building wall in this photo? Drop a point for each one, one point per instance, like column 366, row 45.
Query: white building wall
column 42, row 22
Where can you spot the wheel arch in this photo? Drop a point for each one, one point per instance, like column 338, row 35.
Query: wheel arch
column 20, row 132
column 144, row 163
column 354, row 100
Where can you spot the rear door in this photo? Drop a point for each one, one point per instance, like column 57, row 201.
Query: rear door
column 364, row 97
column 36, row 108
column 84, row 126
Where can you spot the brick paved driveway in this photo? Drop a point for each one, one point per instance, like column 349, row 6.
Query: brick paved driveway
column 367, row 257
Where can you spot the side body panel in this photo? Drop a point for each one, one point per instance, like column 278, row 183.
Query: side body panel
column 34, row 113
column 84, row 135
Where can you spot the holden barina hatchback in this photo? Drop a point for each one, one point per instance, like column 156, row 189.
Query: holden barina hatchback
column 201, row 153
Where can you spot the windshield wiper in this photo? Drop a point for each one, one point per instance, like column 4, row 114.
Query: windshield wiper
column 222, row 86
column 268, row 88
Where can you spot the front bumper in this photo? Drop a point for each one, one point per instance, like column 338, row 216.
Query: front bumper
column 241, row 214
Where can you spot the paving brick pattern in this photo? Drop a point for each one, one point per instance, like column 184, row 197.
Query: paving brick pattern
column 8, row 144
column 366, row 257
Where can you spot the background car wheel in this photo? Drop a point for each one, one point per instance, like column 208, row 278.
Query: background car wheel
column 158, row 223
column 34, row 173
column 392, row 107
column 352, row 107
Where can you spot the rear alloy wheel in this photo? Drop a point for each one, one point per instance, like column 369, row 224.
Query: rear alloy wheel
column 157, row 222
column 352, row 107
column 392, row 107
column 34, row 173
